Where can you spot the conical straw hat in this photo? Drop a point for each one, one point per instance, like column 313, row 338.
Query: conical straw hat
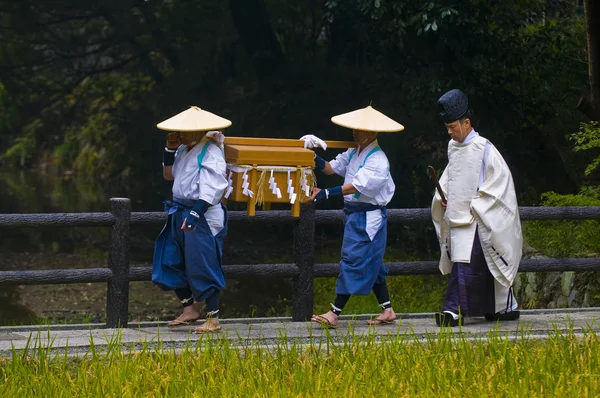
column 194, row 119
column 367, row 119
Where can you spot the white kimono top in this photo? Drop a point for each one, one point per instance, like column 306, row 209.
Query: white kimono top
column 200, row 173
column 369, row 172
column 480, row 192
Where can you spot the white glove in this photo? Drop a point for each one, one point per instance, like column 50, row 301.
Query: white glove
column 312, row 141
column 217, row 137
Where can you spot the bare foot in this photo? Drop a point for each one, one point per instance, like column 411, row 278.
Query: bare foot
column 189, row 315
column 388, row 316
column 209, row 326
column 328, row 319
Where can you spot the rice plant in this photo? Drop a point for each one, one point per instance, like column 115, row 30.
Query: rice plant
column 441, row 364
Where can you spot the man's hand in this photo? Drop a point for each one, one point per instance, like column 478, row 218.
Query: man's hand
column 173, row 143
column 323, row 194
column 312, row 141
column 173, row 140
column 217, row 137
column 312, row 197
column 190, row 222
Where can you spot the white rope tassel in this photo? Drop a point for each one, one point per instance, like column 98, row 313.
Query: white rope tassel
column 229, row 184
column 246, row 184
column 305, row 187
column 274, row 189
column 187, row 300
column 272, row 184
column 382, row 305
column 212, row 314
column 290, row 189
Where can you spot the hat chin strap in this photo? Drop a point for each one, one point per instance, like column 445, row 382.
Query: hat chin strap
column 462, row 134
column 366, row 139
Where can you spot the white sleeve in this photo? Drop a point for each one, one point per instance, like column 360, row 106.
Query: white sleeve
column 373, row 176
column 498, row 178
column 437, row 211
column 212, row 180
column 340, row 163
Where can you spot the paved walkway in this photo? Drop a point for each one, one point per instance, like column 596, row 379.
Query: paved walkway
column 269, row 331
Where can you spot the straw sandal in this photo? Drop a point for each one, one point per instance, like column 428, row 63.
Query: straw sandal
column 205, row 328
column 177, row 322
column 208, row 326
column 324, row 321
column 377, row 322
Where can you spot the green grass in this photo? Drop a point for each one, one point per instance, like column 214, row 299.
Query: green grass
column 563, row 238
column 565, row 365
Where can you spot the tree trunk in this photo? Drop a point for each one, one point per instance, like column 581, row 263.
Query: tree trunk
column 591, row 107
column 252, row 22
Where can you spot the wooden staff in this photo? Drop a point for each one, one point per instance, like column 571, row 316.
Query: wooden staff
column 437, row 183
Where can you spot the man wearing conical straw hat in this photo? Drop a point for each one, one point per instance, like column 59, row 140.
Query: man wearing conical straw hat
column 368, row 187
column 187, row 255
column 478, row 226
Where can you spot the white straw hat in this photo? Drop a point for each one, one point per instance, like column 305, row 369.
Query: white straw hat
column 194, row 119
column 367, row 119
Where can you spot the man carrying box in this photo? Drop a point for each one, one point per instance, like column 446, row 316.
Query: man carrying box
column 368, row 187
column 187, row 254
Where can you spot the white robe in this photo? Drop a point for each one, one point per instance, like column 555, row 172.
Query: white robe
column 494, row 210
column 207, row 182
column 370, row 175
column 373, row 180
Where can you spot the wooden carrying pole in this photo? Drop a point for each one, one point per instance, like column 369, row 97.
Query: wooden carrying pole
column 282, row 142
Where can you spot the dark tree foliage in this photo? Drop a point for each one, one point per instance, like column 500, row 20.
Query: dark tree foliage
column 591, row 107
column 83, row 84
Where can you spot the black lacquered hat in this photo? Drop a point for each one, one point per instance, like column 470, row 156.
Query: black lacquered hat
column 453, row 105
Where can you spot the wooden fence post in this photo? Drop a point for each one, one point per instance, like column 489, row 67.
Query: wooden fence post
column 304, row 257
column 117, row 294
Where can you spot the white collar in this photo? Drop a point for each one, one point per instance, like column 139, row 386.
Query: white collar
column 472, row 135
column 368, row 147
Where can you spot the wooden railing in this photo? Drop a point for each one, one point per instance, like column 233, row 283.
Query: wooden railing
column 118, row 272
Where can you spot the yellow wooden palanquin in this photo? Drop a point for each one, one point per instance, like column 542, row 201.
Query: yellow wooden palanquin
column 270, row 170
